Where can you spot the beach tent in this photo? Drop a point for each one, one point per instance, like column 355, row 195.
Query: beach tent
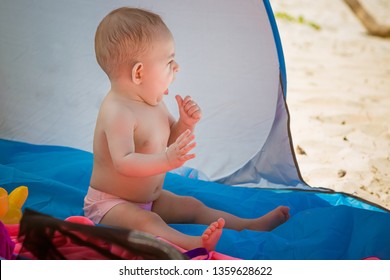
column 232, row 64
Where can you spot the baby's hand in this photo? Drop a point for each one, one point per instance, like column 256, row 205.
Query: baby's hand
column 177, row 153
column 190, row 112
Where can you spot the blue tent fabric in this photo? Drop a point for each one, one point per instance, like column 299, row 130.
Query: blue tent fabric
column 322, row 225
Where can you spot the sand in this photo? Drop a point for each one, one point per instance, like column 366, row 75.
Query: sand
column 338, row 93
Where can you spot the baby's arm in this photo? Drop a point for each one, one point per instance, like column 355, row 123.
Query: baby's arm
column 190, row 114
column 119, row 131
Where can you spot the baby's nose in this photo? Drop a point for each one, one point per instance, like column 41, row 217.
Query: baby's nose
column 176, row 67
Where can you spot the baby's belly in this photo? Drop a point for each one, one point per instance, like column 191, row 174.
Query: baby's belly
column 139, row 190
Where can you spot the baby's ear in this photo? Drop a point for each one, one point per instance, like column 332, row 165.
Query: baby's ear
column 137, row 73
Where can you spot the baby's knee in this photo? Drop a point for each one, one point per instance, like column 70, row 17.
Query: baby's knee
column 150, row 217
column 143, row 220
column 192, row 203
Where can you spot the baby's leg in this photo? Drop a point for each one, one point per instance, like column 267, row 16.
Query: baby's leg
column 131, row 216
column 267, row 222
column 271, row 220
column 184, row 209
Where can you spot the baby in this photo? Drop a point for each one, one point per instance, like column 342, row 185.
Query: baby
column 137, row 140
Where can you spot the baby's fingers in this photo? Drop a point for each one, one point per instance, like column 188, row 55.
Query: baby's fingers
column 185, row 149
column 187, row 157
column 184, row 139
column 195, row 112
column 182, row 136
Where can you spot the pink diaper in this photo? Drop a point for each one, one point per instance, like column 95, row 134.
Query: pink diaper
column 97, row 204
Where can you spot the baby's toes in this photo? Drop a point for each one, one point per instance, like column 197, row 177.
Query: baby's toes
column 220, row 223
column 214, row 225
column 208, row 231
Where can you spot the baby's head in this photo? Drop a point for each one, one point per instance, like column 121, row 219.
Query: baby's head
column 124, row 35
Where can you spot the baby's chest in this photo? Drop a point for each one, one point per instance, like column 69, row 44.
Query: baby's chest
column 151, row 135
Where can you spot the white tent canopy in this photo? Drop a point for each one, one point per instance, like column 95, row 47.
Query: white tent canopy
column 231, row 64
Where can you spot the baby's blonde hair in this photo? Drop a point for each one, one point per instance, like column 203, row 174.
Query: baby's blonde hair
column 124, row 35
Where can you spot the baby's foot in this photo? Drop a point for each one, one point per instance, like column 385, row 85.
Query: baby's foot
column 272, row 219
column 212, row 234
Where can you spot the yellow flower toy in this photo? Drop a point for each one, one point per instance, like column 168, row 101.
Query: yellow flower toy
column 11, row 205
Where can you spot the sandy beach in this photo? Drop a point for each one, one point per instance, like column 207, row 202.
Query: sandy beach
column 338, row 93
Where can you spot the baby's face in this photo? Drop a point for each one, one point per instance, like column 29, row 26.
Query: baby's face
column 160, row 69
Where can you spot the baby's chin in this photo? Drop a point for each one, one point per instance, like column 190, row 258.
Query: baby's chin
column 155, row 102
column 156, row 99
